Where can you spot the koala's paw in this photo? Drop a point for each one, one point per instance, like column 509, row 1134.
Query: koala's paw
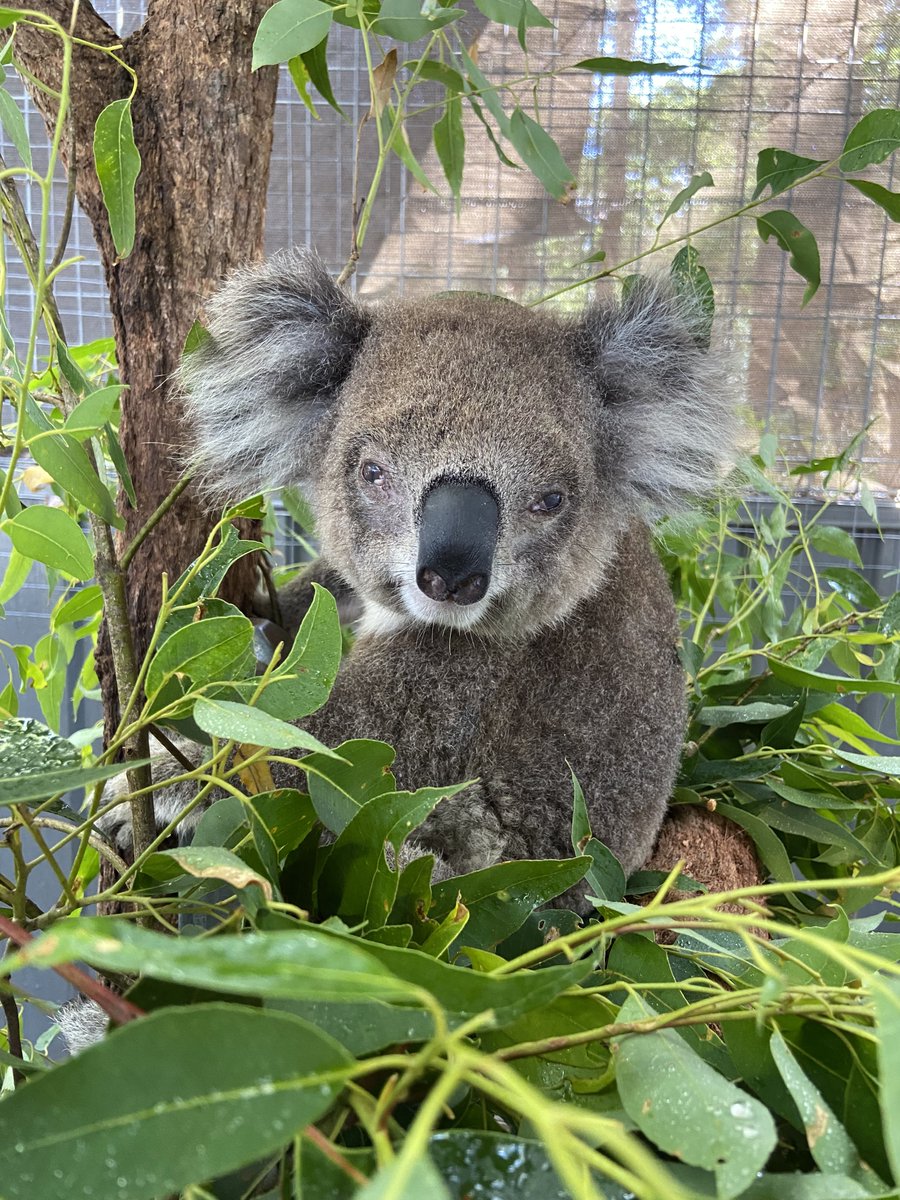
column 168, row 802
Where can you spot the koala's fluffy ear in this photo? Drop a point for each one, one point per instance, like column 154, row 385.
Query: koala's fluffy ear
column 259, row 390
column 667, row 423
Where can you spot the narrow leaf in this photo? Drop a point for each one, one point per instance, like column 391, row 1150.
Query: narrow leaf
column 889, row 201
column 316, row 63
column 404, row 19
column 91, row 414
column 627, row 66
column 300, row 77
column 541, row 155
column 118, row 165
column 450, row 144
column 226, row 719
column 796, row 240
column 697, row 182
column 63, row 457
column 14, row 126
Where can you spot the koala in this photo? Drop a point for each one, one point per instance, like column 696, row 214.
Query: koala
column 484, row 476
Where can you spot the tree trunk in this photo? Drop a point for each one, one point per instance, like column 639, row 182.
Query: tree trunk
column 203, row 126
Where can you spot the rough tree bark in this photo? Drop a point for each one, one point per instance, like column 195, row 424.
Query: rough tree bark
column 203, row 125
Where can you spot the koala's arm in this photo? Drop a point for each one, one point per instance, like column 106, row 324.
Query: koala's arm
column 295, row 597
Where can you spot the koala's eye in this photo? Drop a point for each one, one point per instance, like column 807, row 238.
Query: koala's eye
column 549, row 502
column 371, row 472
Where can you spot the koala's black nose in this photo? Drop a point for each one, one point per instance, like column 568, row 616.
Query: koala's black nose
column 457, row 537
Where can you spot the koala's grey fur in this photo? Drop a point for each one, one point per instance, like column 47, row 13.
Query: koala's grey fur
column 570, row 658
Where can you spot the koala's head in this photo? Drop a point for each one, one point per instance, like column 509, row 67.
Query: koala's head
column 471, row 463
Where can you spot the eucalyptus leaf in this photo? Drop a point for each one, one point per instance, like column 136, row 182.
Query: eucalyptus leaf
column 500, row 898
column 240, row 722
column 796, row 240
column 164, row 1111
column 880, row 195
column 289, row 28
column 703, row 180
column 14, row 126
column 53, row 538
column 541, row 155
column 779, row 170
column 118, row 164
column 686, row 1108
column 212, row 649
column 872, row 139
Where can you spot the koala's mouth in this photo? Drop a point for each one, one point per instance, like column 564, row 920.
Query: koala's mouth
column 446, row 613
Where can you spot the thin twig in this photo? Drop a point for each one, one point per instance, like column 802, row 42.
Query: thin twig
column 66, row 227
column 153, row 520
column 100, row 845
column 355, row 208
column 13, row 1033
column 116, row 1007
column 334, row 1155
column 171, row 748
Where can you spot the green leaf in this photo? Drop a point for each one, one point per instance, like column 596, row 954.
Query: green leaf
column 692, row 281
column 463, row 993
column 697, row 182
column 686, row 1108
column 289, row 28
column 858, row 591
column 205, row 582
column 718, row 716
column 300, row 77
column 91, row 414
column 9, row 16
column 780, row 170
column 356, row 881
column 437, row 72
column 17, row 787
column 887, row 1009
column 240, row 722
column 18, row 568
column 477, row 82
column 796, row 240
column 81, row 606
column 340, row 785
column 53, row 538
column 871, row 140
column 205, row 862
column 478, row 1163
column 500, row 898
column 627, row 66
column 304, row 963
column 831, row 1148
column 404, row 21
column 405, row 1178
column 316, row 63
column 881, row 764
column 514, row 13
column 165, row 1112
column 403, row 150
column 605, row 876
column 450, row 144
column 541, row 155
column 120, row 463
column 832, row 540
column 770, row 847
column 216, row 648
column 118, row 165
column 14, row 126
column 63, row 457
column 819, row 681
column 197, row 336
column 303, row 682
column 889, row 201
column 363, row 1025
